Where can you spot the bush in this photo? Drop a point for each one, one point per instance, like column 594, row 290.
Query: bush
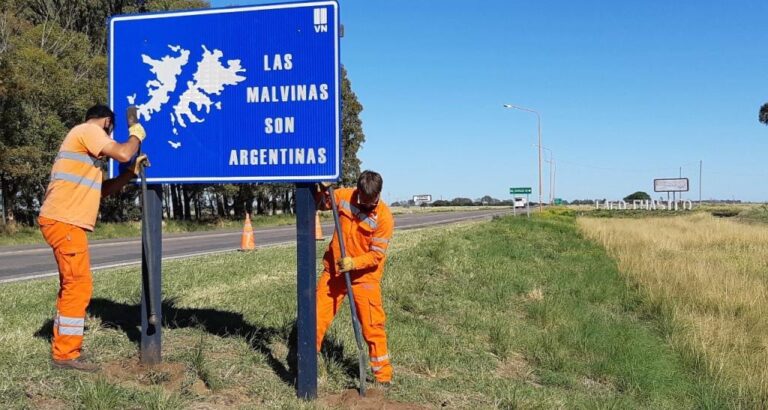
column 639, row 196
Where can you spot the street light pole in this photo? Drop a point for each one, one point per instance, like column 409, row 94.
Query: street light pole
column 551, row 162
column 538, row 123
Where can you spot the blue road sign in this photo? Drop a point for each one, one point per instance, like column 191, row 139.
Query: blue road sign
column 242, row 94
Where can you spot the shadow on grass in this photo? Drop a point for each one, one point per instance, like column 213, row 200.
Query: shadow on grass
column 216, row 322
column 333, row 351
column 220, row 323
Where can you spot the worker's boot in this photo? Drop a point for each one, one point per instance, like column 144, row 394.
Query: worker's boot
column 76, row 364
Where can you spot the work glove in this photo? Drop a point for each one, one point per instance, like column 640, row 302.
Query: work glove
column 136, row 130
column 346, row 264
column 141, row 162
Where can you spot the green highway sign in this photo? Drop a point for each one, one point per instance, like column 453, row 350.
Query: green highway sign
column 558, row 201
column 513, row 191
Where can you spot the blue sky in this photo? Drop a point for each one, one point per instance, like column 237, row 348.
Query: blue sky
column 628, row 91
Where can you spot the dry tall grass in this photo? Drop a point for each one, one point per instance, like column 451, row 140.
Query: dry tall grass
column 707, row 278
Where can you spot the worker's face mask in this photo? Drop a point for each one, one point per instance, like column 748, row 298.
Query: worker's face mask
column 367, row 203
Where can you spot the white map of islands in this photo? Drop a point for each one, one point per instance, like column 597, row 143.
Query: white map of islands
column 208, row 81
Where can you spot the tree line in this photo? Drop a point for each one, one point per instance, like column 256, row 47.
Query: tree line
column 53, row 66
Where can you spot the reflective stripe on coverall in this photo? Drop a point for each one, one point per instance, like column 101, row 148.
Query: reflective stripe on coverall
column 366, row 237
column 74, row 193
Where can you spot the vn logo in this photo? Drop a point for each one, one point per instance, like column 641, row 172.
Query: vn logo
column 321, row 20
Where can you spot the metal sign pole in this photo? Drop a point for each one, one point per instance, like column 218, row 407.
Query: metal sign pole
column 306, row 322
column 151, row 335
column 514, row 206
column 528, row 204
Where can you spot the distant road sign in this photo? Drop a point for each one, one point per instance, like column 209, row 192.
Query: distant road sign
column 558, row 201
column 240, row 94
column 670, row 185
column 513, row 191
column 422, row 198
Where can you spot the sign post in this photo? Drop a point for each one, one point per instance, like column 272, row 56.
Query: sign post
column 236, row 95
column 151, row 335
column 521, row 190
column 528, row 205
column 671, row 185
column 306, row 321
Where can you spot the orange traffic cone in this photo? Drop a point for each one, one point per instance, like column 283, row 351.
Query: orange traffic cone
column 247, row 243
column 318, row 228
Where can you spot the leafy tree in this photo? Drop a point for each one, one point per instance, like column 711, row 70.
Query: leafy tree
column 461, row 202
column 488, row 200
column 639, row 196
column 90, row 16
column 50, row 76
column 763, row 116
column 351, row 130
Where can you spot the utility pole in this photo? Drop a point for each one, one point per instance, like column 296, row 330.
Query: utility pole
column 2, row 205
column 538, row 126
column 700, row 165
column 554, row 175
column 550, row 162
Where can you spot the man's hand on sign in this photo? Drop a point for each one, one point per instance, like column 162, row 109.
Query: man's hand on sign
column 141, row 162
column 346, row 264
column 136, row 130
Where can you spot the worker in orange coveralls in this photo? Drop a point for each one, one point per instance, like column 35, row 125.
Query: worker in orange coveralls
column 367, row 225
column 69, row 210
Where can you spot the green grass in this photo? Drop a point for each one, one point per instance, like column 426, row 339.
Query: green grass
column 511, row 313
column 755, row 214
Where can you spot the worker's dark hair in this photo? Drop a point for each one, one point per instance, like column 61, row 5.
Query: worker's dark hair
column 370, row 183
column 99, row 111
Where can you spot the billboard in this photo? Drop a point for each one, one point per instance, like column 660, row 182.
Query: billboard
column 240, row 94
column 422, row 198
column 670, row 185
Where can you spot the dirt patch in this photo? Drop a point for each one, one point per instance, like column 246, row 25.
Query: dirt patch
column 39, row 402
column 374, row 400
column 235, row 398
column 516, row 367
column 592, row 384
column 168, row 375
column 535, row 295
column 174, row 377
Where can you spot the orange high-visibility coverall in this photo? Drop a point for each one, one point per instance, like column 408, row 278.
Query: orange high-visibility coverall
column 70, row 208
column 366, row 237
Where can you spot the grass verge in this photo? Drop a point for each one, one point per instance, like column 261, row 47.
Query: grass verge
column 504, row 314
column 705, row 278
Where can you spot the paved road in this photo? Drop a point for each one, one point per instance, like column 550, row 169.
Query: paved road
column 36, row 261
